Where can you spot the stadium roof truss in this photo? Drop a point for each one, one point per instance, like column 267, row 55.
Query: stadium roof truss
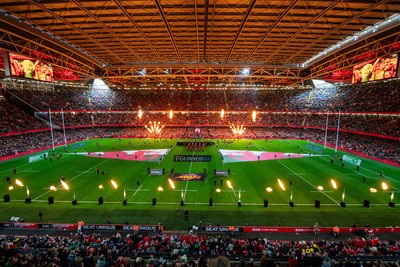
column 196, row 42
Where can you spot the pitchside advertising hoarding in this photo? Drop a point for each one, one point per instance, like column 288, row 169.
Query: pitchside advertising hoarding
column 314, row 147
column 71, row 226
column 191, row 158
column 215, row 229
column 352, row 160
column 78, row 145
column 38, row 157
column 376, row 69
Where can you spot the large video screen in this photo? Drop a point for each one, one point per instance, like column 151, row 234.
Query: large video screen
column 26, row 67
column 377, row 69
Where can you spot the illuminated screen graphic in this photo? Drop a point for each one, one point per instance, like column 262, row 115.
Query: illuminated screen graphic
column 26, row 67
column 377, row 69
column 188, row 177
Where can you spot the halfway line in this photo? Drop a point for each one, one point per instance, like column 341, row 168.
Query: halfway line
column 187, row 182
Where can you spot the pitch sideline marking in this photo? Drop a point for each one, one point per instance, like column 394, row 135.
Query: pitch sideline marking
column 137, row 189
column 14, row 168
column 206, row 203
column 23, row 164
column 28, row 170
column 190, row 190
column 290, row 143
column 386, row 165
column 19, row 165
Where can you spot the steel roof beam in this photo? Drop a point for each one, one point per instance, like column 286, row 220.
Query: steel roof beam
column 168, row 28
column 273, row 26
column 241, row 27
column 117, row 37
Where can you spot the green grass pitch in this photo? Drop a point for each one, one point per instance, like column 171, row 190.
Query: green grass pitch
column 248, row 179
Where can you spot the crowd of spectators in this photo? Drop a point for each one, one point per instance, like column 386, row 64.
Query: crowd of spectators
column 16, row 144
column 162, row 249
column 296, row 109
column 201, row 107
column 370, row 97
column 14, row 119
column 382, row 124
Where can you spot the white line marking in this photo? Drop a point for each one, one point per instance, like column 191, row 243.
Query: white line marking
column 205, row 203
column 138, row 189
column 384, row 176
column 184, row 195
column 362, row 175
column 191, row 190
column 10, row 170
column 307, row 181
column 374, row 161
column 361, row 169
column 136, row 192
column 48, row 188
column 73, row 178
column 19, row 165
column 187, row 182
column 191, row 163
